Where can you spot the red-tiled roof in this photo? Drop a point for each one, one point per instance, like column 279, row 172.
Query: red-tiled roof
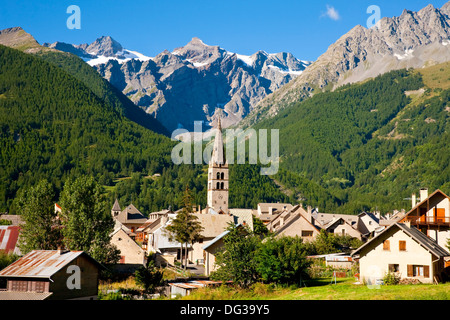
column 8, row 238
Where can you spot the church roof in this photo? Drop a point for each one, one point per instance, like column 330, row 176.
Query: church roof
column 218, row 154
column 131, row 215
column 116, row 206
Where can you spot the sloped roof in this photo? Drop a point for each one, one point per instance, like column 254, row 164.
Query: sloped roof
column 20, row 295
column 214, row 224
column 16, row 220
column 220, row 236
column 42, row 263
column 370, row 215
column 424, row 201
column 116, row 206
column 9, row 236
column 264, row 207
column 427, row 243
column 244, row 216
column 328, row 217
column 131, row 215
column 295, row 214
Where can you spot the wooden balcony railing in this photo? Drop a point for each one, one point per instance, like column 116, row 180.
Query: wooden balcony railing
column 424, row 220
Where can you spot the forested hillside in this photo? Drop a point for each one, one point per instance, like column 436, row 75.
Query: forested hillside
column 368, row 145
column 102, row 88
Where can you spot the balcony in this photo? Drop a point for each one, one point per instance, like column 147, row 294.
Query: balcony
column 425, row 220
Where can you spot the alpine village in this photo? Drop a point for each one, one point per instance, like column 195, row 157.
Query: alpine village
column 94, row 207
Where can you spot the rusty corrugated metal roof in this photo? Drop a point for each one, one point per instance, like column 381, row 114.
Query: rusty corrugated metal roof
column 194, row 284
column 40, row 264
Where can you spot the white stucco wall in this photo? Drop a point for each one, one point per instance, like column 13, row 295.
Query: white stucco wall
column 375, row 261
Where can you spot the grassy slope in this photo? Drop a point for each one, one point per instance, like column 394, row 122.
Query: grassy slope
column 345, row 289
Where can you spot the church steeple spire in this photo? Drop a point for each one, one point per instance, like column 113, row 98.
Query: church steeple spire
column 218, row 155
column 218, row 175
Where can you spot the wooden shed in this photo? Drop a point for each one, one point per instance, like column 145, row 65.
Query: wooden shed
column 51, row 274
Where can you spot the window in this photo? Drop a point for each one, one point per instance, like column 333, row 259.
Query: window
column 402, row 245
column 218, row 185
column 222, row 186
column 222, row 176
column 386, row 245
column 307, row 233
column 394, row 268
column 418, row 271
column 19, row 286
column 218, row 175
column 40, row 286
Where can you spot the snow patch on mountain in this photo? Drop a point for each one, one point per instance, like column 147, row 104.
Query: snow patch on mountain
column 121, row 57
column 408, row 54
column 288, row 71
column 248, row 60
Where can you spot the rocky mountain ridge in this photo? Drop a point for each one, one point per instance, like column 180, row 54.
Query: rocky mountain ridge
column 194, row 82
column 411, row 40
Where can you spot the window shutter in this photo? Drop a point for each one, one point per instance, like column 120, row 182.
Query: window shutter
column 410, row 270
column 402, row 245
column 426, row 271
column 386, row 245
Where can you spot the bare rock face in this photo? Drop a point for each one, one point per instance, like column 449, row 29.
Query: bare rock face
column 412, row 40
column 17, row 38
column 194, row 82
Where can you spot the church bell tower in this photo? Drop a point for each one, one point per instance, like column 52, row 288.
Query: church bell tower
column 218, row 175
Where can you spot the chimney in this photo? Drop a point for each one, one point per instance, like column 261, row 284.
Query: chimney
column 309, row 214
column 423, row 194
column 414, row 200
column 408, row 223
column 377, row 214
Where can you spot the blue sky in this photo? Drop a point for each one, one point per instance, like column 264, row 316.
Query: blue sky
column 304, row 28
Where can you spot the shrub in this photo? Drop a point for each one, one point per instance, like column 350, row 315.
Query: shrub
column 149, row 277
column 391, row 279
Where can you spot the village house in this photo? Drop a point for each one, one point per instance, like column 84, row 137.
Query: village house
column 132, row 256
column 130, row 217
column 51, row 274
column 323, row 219
column 266, row 212
column 213, row 225
column 157, row 242
column 369, row 224
column 431, row 215
column 340, row 227
column 404, row 250
column 293, row 222
column 212, row 247
column 142, row 231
